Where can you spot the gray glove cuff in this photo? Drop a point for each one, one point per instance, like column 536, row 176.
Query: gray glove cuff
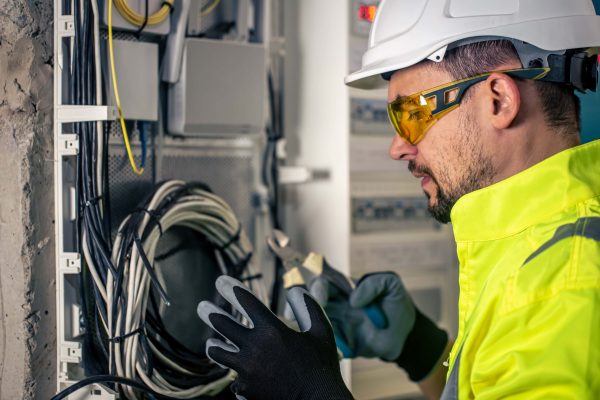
column 423, row 348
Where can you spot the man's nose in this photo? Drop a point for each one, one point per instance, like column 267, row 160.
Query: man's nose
column 400, row 149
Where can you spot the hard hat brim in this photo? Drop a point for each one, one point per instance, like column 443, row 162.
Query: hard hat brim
column 366, row 79
column 370, row 77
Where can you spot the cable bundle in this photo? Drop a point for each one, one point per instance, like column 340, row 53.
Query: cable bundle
column 140, row 347
column 85, row 88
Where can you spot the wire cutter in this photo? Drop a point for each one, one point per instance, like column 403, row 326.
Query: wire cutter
column 300, row 268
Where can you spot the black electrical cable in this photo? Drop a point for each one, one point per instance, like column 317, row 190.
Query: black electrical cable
column 270, row 177
column 105, row 186
column 82, row 91
column 138, row 33
column 270, row 166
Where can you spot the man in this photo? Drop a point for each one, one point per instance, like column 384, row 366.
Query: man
column 481, row 95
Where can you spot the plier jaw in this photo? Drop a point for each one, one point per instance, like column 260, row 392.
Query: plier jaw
column 292, row 260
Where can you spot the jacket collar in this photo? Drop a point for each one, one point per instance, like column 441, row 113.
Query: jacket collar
column 522, row 200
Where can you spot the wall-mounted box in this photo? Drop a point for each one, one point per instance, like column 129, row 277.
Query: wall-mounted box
column 222, row 89
column 136, row 64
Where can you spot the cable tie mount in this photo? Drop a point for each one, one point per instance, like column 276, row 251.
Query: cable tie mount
column 66, row 26
column 70, row 352
column 68, row 144
column 70, row 263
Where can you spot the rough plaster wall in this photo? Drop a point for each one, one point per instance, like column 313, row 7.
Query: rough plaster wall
column 27, row 277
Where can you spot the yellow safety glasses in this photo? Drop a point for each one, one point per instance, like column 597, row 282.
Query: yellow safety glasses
column 413, row 115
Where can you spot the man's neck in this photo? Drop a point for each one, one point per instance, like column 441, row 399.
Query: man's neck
column 533, row 149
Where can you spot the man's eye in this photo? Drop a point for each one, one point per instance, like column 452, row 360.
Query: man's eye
column 415, row 115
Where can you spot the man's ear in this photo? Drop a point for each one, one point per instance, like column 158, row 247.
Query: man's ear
column 505, row 100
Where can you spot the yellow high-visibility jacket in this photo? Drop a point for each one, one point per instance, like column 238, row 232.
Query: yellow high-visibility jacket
column 529, row 306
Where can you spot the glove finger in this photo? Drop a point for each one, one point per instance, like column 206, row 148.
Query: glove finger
column 319, row 289
column 230, row 329
column 206, row 310
column 309, row 314
column 371, row 287
column 288, row 314
column 223, row 354
column 245, row 302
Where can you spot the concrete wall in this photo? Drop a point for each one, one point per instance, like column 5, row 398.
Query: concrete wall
column 27, row 277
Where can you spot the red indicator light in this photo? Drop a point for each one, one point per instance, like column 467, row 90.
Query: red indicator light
column 366, row 12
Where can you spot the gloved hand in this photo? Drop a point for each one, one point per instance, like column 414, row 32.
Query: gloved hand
column 272, row 360
column 410, row 339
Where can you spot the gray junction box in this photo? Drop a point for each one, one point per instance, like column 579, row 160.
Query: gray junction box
column 212, row 67
column 136, row 64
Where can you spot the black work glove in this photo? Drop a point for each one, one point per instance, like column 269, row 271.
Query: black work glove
column 272, row 360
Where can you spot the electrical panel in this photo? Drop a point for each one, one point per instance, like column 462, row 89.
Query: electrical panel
column 377, row 214
column 369, row 116
column 215, row 101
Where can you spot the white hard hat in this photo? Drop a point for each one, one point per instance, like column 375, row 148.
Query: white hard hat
column 406, row 32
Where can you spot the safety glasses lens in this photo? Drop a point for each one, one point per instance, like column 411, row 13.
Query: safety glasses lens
column 411, row 117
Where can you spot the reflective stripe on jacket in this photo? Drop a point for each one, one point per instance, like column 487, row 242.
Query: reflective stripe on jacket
column 529, row 306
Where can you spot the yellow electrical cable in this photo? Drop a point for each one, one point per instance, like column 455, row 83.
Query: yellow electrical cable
column 137, row 19
column 210, row 8
column 136, row 170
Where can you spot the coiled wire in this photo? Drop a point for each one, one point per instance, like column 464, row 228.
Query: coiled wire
column 140, row 348
column 137, row 19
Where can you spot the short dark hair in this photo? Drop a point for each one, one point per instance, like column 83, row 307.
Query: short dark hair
column 560, row 105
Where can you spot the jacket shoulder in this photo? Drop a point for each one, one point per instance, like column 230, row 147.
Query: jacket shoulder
column 568, row 261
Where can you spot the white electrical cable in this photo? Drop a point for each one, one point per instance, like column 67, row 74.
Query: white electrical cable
column 196, row 209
